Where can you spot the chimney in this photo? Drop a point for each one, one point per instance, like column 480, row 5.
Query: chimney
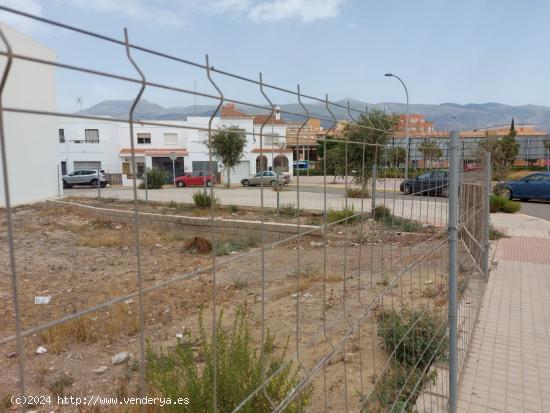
column 277, row 113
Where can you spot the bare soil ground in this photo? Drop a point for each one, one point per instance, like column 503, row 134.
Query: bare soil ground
column 81, row 262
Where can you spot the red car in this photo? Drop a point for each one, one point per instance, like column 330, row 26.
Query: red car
column 195, row 179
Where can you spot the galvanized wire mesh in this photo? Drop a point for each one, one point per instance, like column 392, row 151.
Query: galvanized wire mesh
column 349, row 266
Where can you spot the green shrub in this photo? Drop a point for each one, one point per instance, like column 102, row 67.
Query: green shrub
column 498, row 203
column 233, row 209
column 511, row 207
column 495, row 234
column 339, row 215
column 155, row 179
column 414, row 335
column 357, row 193
column 189, row 370
column 383, row 214
column 394, row 388
column 203, row 199
column 236, row 245
column 288, row 210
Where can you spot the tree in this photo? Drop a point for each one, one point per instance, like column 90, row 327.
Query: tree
column 430, row 151
column 228, row 147
column 396, row 155
column 503, row 151
column 509, row 146
column 373, row 129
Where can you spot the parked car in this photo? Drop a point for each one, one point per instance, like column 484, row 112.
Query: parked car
column 85, row 177
column 534, row 186
column 198, row 178
column 266, row 178
column 428, row 183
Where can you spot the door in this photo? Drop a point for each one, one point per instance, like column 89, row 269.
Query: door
column 239, row 172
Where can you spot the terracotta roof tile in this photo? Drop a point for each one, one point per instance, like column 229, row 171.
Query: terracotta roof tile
column 230, row 111
column 260, row 119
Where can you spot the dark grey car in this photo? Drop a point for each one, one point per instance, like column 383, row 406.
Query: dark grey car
column 428, row 183
column 84, row 177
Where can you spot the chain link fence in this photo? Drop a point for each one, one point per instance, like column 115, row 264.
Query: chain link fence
column 356, row 289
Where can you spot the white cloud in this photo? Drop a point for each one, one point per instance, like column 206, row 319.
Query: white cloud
column 168, row 14
column 173, row 14
column 304, row 10
column 21, row 23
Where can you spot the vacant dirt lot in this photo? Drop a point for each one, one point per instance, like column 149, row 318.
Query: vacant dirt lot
column 80, row 262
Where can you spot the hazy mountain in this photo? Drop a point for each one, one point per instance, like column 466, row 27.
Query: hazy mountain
column 445, row 115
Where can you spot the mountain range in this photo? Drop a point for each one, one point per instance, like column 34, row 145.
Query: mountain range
column 446, row 116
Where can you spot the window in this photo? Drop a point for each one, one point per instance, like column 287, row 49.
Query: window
column 144, row 138
column 170, row 138
column 91, row 135
column 271, row 139
column 61, row 135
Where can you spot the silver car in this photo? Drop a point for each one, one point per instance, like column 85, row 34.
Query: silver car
column 84, row 177
column 266, row 178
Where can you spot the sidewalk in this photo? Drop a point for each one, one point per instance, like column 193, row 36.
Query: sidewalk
column 508, row 367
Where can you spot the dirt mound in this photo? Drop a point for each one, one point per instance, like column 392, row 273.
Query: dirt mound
column 198, row 244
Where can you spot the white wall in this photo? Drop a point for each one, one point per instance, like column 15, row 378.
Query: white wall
column 113, row 136
column 31, row 140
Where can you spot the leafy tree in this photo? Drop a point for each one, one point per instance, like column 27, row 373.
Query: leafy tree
column 430, row 151
column 396, row 155
column 509, row 146
column 503, row 151
column 372, row 129
column 228, row 147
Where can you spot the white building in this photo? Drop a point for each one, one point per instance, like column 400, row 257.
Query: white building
column 31, row 140
column 91, row 144
column 273, row 153
column 85, row 144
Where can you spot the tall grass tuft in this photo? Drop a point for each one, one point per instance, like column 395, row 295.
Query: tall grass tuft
column 188, row 370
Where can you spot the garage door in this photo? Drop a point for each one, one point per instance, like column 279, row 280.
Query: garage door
column 203, row 166
column 241, row 171
column 93, row 165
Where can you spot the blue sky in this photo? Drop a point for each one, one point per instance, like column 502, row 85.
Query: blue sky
column 468, row 51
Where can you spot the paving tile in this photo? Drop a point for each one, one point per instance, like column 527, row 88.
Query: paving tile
column 509, row 359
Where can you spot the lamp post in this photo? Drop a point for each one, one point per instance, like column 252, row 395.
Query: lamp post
column 406, row 124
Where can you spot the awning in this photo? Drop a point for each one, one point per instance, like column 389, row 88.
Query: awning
column 274, row 150
column 154, row 151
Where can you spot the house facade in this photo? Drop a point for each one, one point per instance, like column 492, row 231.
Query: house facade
column 105, row 145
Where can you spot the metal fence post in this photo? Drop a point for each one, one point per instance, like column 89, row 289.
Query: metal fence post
column 453, row 269
column 58, row 180
column 486, row 215
column 146, row 187
column 373, row 187
column 98, row 183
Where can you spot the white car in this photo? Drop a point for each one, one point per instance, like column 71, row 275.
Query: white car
column 84, row 177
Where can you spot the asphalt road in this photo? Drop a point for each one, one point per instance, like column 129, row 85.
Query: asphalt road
column 539, row 209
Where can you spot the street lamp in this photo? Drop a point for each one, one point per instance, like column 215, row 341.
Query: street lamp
column 406, row 124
